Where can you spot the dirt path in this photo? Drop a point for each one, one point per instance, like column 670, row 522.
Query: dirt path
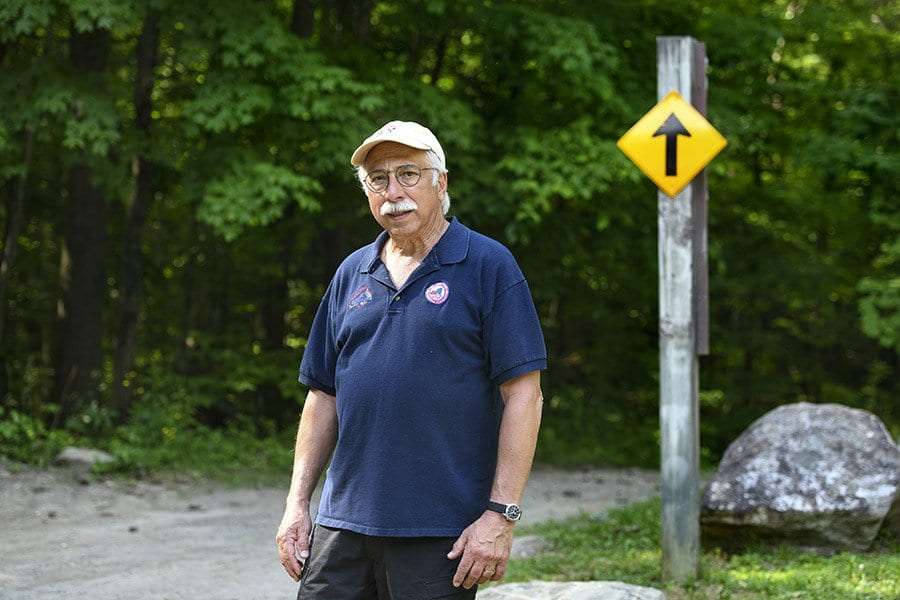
column 110, row 539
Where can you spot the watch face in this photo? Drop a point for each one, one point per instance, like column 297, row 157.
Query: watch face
column 513, row 512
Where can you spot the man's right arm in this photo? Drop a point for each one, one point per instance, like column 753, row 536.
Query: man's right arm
column 316, row 437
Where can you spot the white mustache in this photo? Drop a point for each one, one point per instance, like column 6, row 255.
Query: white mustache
column 390, row 208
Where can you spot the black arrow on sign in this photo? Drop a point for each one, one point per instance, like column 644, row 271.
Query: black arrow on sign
column 672, row 128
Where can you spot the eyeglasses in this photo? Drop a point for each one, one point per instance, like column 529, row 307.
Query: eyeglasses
column 407, row 176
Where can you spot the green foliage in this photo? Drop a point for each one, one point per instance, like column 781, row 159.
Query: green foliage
column 94, row 126
column 233, row 454
column 92, row 420
column 191, row 425
column 88, row 15
column 879, row 304
column 27, row 439
column 22, row 17
column 254, row 203
column 577, row 430
column 624, row 545
column 254, row 195
column 565, row 167
column 228, row 104
column 566, row 60
column 250, row 40
column 880, row 308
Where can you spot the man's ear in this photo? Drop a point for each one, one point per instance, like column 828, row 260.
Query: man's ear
column 442, row 183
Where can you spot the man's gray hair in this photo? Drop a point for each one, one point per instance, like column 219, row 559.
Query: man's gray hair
column 433, row 161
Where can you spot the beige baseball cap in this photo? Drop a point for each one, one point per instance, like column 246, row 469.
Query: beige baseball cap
column 408, row 133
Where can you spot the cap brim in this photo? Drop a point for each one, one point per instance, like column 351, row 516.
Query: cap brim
column 359, row 155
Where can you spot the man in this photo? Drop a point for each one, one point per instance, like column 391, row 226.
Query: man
column 423, row 367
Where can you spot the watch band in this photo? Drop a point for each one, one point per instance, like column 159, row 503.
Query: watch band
column 510, row 512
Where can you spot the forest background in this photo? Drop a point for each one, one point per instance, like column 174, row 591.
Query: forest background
column 175, row 194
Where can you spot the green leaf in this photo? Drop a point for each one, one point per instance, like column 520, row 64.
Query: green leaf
column 254, row 195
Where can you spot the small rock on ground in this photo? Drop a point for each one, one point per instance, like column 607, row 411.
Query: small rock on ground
column 85, row 457
column 527, row 546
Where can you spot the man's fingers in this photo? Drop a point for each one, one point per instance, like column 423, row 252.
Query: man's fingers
column 491, row 572
column 295, row 575
column 474, row 575
column 301, row 548
column 301, row 551
column 458, row 546
column 462, row 570
column 291, row 547
column 286, row 551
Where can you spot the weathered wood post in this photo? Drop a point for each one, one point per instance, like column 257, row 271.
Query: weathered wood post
column 683, row 330
column 672, row 144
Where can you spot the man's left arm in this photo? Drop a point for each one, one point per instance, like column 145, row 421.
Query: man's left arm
column 486, row 543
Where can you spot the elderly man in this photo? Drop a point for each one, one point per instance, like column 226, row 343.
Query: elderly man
column 423, row 367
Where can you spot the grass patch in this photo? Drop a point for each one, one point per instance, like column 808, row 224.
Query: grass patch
column 233, row 457
column 625, row 546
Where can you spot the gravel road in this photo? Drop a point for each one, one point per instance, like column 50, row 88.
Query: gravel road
column 111, row 539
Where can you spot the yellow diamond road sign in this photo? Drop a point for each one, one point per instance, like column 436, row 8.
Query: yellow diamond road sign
column 671, row 143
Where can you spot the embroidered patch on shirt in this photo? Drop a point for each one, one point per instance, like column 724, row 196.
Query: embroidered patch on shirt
column 437, row 293
column 360, row 298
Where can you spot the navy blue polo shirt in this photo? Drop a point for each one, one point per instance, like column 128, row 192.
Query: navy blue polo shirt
column 416, row 373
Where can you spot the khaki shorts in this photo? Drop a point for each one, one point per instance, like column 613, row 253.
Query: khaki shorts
column 345, row 565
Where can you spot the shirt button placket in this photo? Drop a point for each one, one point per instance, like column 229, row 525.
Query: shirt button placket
column 396, row 307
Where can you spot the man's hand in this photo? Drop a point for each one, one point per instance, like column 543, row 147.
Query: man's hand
column 484, row 546
column 293, row 539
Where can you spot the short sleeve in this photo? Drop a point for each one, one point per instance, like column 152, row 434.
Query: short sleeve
column 320, row 356
column 513, row 339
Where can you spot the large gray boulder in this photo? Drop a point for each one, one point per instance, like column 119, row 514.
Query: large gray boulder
column 570, row 590
column 818, row 476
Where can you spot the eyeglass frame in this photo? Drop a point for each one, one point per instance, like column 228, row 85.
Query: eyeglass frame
column 394, row 171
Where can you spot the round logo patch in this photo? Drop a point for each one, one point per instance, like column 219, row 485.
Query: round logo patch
column 437, row 293
column 359, row 298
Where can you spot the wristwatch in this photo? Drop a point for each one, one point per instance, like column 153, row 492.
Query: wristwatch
column 510, row 512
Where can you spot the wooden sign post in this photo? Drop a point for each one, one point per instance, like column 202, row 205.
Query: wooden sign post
column 683, row 324
column 672, row 144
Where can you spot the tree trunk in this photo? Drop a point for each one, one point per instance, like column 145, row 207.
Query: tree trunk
column 15, row 219
column 188, row 299
column 440, row 54
column 275, row 301
column 79, row 364
column 302, row 19
column 273, row 308
column 78, row 372
column 132, row 273
column 354, row 15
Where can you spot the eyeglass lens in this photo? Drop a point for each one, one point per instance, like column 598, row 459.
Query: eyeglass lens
column 407, row 175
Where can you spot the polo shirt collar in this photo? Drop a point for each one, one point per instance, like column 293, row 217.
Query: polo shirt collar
column 453, row 247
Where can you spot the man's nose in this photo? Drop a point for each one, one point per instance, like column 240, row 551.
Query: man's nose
column 393, row 189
